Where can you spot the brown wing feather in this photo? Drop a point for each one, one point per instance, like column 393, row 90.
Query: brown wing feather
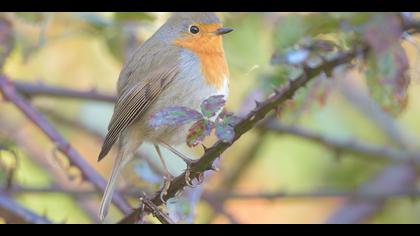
column 134, row 104
column 149, row 71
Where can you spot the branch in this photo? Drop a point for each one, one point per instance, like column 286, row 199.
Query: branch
column 247, row 123
column 364, row 195
column 393, row 180
column 156, row 212
column 218, row 206
column 39, row 89
column 376, row 152
column 15, row 213
column 9, row 92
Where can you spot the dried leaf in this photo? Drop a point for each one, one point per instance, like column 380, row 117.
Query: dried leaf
column 383, row 32
column 212, row 105
column 388, row 79
column 199, row 131
column 173, row 117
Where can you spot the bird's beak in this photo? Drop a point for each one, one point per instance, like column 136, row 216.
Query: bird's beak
column 222, row 31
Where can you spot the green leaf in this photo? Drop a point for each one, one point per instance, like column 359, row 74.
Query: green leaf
column 31, row 17
column 7, row 40
column 133, row 16
column 293, row 28
column 290, row 29
column 116, row 40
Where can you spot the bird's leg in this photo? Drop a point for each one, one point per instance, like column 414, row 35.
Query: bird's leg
column 167, row 178
column 188, row 161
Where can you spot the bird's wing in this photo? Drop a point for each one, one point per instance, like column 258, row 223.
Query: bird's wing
column 136, row 96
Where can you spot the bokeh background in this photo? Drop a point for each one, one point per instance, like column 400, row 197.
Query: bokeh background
column 85, row 51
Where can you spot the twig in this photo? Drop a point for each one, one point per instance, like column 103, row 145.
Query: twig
column 62, row 119
column 15, row 213
column 39, row 89
column 38, row 154
column 393, row 180
column 156, row 212
column 219, row 196
column 219, row 207
column 376, row 152
column 9, row 92
column 366, row 196
column 247, row 123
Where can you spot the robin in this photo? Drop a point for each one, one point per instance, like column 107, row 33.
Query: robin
column 182, row 64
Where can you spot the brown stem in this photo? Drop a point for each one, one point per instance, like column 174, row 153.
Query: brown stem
column 374, row 152
column 15, row 213
column 39, row 89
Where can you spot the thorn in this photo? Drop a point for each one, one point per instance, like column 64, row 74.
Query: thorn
column 178, row 193
column 305, row 71
column 200, row 179
column 213, row 168
column 277, row 91
column 205, row 148
column 258, row 104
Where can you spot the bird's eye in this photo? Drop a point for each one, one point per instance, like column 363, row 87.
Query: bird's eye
column 194, row 29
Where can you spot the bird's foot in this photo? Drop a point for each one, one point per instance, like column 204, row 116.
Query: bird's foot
column 190, row 174
column 166, row 185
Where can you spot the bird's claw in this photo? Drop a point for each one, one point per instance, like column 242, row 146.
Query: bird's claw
column 164, row 191
column 189, row 180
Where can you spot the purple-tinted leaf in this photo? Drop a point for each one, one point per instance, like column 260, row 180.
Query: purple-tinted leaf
column 225, row 126
column 226, row 133
column 212, row 105
column 198, row 131
column 173, row 117
column 6, row 39
column 228, row 118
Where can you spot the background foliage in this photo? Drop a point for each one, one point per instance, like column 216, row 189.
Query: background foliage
column 85, row 51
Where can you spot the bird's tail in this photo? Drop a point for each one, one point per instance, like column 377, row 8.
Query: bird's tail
column 122, row 159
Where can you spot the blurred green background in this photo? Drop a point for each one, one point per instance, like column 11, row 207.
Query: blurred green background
column 86, row 50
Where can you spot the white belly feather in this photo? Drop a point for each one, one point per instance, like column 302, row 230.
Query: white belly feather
column 189, row 89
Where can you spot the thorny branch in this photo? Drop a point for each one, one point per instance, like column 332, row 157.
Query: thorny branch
column 248, row 122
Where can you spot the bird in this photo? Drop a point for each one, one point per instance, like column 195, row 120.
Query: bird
column 181, row 64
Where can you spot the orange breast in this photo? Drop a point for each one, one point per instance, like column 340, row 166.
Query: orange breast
column 209, row 50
